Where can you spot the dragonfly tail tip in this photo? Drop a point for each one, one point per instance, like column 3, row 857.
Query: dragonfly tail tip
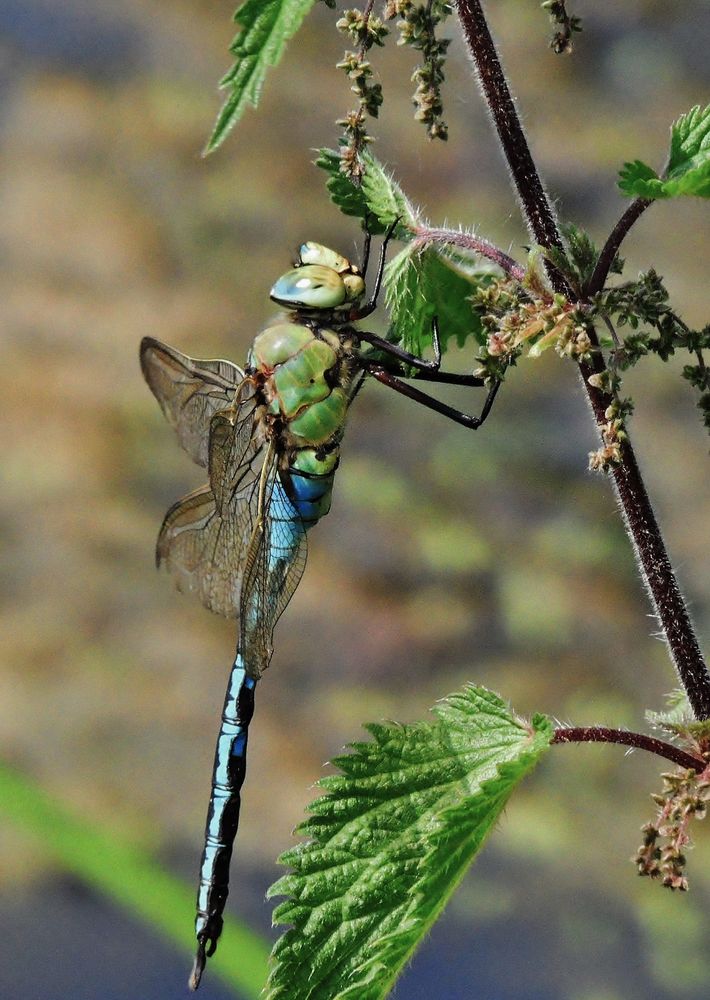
column 198, row 967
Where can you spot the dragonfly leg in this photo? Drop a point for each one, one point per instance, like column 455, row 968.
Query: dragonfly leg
column 411, row 392
column 366, row 249
column 428, row 371
column 358, row 386
column 371, row 305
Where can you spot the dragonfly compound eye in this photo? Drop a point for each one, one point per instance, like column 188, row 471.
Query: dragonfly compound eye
column 315, row 253
column 312, row 286
column 354, row 286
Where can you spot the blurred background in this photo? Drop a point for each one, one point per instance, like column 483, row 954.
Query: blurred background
column 448, row 557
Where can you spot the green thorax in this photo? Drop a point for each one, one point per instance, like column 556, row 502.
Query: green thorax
column 306, row 374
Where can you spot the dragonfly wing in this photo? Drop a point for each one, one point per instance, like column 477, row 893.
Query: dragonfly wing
column 273, row 566
column 238, row 543
column 236, row 439
column 244, row 557
column 202, row 553
column 189, row 392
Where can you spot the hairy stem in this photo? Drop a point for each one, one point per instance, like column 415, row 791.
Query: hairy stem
column 467, row 241
column 526, row 179
column 638, row 514
column 600, row 734
column 611, row 247
column 656, row 569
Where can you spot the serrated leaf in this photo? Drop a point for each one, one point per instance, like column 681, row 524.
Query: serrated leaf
column 390, row 840
column 688, row 171
column 384, row 197
column 378, row 197
column 265, row 27
column 423, row 283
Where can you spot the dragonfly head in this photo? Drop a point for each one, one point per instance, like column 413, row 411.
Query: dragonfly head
column 321, row 280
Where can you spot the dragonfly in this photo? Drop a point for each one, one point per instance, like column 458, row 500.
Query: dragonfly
column 269, row 435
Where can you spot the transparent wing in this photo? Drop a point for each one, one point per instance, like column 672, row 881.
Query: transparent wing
column 202, row 553
column 236, row 440
column 243, row 559
column 274, row 563
column 189, row 392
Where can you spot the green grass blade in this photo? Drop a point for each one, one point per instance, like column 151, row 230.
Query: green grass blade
column 131, row 878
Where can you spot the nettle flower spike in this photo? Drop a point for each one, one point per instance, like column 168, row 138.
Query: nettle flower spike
column 684, row 797
column 566, row 25
column 364, row 29
column 354, row 139
column 417, row 28
column 360, row 72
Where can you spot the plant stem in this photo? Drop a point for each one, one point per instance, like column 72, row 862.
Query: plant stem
column 638, row 514
column 467, row 241
column 611, row 247
column 600, row 734
column 526, row 179
column 656, row 569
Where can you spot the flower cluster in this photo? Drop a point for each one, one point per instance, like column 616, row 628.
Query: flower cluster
column 417, row 24
column 643, row 306
column 613, row 432
column 417, row 28
column 364, row 30
column 666, row 839
column 515, row 319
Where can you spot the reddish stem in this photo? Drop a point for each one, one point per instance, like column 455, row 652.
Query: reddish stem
column 601, row 734
column 468, row 241
column 611, row 247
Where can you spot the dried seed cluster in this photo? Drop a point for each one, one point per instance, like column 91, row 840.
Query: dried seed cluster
column 417, row 25
column 662, row 855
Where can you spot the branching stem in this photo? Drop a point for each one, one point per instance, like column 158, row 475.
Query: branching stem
column 600, row 734
column 638, row 514
column 611, row 247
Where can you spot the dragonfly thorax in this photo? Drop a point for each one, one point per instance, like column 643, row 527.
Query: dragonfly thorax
column 321, row 281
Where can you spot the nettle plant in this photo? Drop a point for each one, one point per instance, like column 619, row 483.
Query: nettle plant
column 396, row 829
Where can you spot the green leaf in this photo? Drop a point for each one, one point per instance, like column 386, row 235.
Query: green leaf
column 265, row 27
column 389, row 842
column 423, row 283
column 347, row 196
column 688, row 171
column 679, row 719
column 378, row 195
column 129, row 875
column 384, row 197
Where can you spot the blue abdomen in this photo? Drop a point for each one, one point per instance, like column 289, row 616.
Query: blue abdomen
column 310, row 495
